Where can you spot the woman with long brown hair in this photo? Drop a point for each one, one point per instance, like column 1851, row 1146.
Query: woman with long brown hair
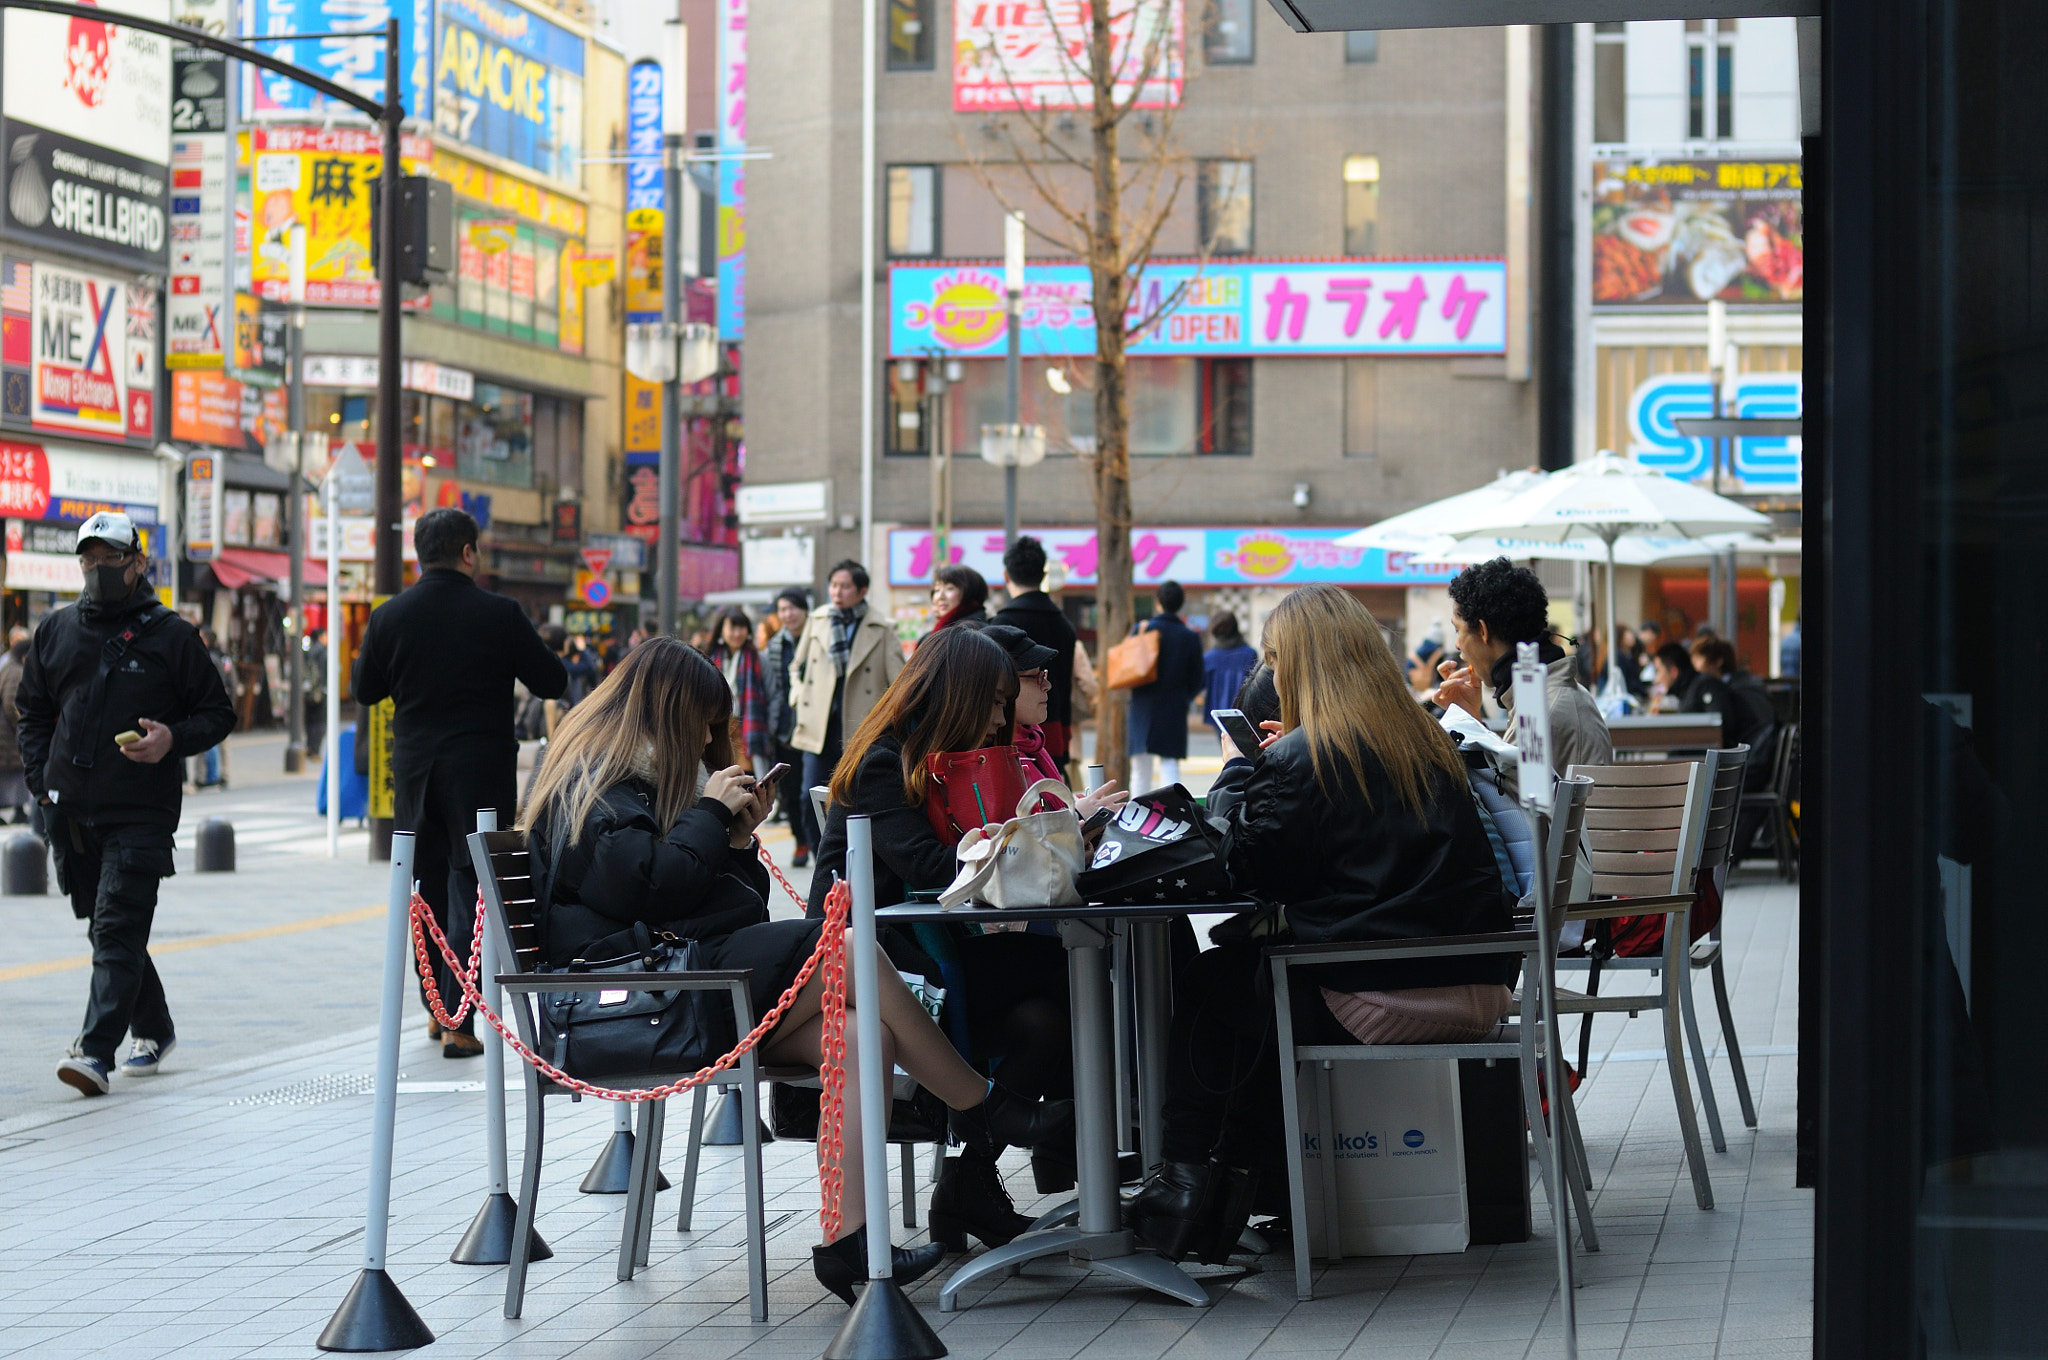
column 642, row 815
column 1356, row 819
column 1005, row 992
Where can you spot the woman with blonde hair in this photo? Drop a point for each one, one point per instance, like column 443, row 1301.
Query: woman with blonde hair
column 643, row 815
column 1354, row 817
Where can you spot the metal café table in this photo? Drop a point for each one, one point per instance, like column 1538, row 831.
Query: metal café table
column 1096, row 1238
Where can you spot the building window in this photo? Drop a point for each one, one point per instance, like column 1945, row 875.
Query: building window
column 1226, row 416
column 913, row 192
column 1224, row 204
column 910, row 35
column 1362, row 46
column 907, row 417
column 1361, row 408
column 1227, row 33
column 1710, row 79
column 1610, row 82
column 1361, row 204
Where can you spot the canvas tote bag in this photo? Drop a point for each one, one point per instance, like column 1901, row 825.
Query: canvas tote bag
column 1031, row 860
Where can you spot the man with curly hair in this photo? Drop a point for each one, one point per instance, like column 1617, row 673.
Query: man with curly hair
column 1494, row 607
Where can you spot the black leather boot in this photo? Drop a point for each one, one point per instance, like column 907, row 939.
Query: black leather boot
column 843, row 1264
column 1231, row 1190
column 970, row 1199
column 1172, row 1208
column 1053, row 1166
column 1008, row 1119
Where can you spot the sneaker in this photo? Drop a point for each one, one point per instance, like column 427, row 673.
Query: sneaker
column 87, row 1076
column 146, row 1058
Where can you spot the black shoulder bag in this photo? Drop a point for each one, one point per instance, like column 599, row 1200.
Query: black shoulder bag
column 596, row 1035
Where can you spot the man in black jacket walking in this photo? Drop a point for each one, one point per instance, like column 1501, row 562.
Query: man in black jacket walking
column 447, row 652
column 115, row 693
column 1041, row 618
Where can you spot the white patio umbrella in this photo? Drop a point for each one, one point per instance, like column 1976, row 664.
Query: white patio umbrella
column 1423, row 528
column 1630, row 550
column 1602, row 500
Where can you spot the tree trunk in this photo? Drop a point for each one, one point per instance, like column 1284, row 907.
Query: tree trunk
column 1111, row 297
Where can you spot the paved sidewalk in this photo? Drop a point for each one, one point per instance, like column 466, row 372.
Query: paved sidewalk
column 218, row 1212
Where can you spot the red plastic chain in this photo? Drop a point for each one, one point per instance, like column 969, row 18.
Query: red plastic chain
column 830, row 955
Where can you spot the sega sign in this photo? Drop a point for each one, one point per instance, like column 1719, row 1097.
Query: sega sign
column 1762, row 464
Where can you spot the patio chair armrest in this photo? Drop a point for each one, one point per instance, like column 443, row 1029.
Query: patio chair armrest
column 1441, row 946
column 707, row 980
column 1669, row 905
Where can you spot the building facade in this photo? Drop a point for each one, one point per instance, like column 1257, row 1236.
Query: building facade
column 1324, row 184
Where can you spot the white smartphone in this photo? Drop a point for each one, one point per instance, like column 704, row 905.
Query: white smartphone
column 1238, row 728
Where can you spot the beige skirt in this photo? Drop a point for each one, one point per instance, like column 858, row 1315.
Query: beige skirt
column 1421, row 1015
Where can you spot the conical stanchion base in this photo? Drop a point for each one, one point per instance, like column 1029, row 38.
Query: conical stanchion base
column 726, row 1126
column 374, row 1317
column 885, row 1325
column 489, row 1239
column 613, row 1169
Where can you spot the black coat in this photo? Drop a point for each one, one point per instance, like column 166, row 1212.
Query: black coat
column 775, row 659
column 162, row 673
column 908, row 853
column 1357, row 864
column 1159, row 711
column 1041, row 618
column 1746, row 716
column 626, row 867
column 446, row 652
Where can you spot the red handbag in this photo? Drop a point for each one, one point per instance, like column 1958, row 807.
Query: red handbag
column 966, row 789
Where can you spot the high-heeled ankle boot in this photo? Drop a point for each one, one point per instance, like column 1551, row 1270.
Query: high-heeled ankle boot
column 970, row 1199
column 842, row 1264
column 1231, row 1189
column 1008, row 1119
column 1054, row 1169
column 1172, row 1208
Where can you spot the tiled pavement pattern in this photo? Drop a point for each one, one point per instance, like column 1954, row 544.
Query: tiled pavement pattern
column 218, row 1211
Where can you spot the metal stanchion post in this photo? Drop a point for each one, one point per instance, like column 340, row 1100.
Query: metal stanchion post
column 376, row 1316
column 884, row 1323
column 613, row 1170
column 488, row 1242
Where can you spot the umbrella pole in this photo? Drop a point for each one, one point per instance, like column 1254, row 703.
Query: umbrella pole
column 1613, row 633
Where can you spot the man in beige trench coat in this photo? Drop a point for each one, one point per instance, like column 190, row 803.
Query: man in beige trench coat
column 846, row 657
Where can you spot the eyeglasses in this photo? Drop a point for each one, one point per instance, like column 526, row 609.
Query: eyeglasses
column 102, row 559
column 1041, row 676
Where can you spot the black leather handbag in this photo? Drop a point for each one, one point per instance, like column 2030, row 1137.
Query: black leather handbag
column 1160, row 847
column 599, row 1035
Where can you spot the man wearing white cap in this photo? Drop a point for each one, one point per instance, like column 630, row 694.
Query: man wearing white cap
column 115, row 691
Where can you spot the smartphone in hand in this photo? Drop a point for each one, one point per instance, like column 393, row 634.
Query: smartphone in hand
column 1239, row 729
column 775, row 772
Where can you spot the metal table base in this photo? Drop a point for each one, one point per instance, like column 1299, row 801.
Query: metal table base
column 1097, row 1239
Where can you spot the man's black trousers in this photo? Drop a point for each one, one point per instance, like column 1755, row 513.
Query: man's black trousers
column 440, row 810
column 111, row 874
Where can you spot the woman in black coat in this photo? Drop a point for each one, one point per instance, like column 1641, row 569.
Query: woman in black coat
column 1356, row 820
column 1006, row 1002
column 641, row 816
column 1159, row 711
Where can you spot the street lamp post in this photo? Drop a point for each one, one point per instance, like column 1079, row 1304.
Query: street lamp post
column 671, row 392
column 1013, row 289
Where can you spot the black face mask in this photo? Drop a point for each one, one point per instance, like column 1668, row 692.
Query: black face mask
column 107, row 584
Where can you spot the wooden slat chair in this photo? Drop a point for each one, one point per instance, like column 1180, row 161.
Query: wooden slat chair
column 503, row 873
column 1513, row 1041
column 1644, row 828
column 1724, row 771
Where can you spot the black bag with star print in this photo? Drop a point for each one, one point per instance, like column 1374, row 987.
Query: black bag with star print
column 1160, row 847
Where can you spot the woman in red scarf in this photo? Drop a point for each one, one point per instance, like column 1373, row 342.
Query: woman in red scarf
column 736, row 659
column 958, row 595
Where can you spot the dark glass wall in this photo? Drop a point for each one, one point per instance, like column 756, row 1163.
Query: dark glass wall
column 1928, row 776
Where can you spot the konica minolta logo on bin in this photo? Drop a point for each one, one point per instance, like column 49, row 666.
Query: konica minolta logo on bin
column 1413, row 1138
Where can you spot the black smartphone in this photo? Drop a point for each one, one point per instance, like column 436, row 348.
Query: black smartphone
column 776, row 772
column 1097, row 821
column 1238, row 728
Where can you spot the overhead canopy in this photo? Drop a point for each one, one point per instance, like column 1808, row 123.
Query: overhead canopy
column 1334, row 16
column 238, row 567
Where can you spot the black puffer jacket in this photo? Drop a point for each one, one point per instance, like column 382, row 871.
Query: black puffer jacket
column 626, row 867
column 1359, row 865
column 162, row 673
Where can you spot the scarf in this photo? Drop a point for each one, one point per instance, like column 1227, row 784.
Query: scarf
column 1029, row 739
column 845, row 624
column 1503, row 676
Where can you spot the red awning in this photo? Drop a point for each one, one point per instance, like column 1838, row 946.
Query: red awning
column 237, row 567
